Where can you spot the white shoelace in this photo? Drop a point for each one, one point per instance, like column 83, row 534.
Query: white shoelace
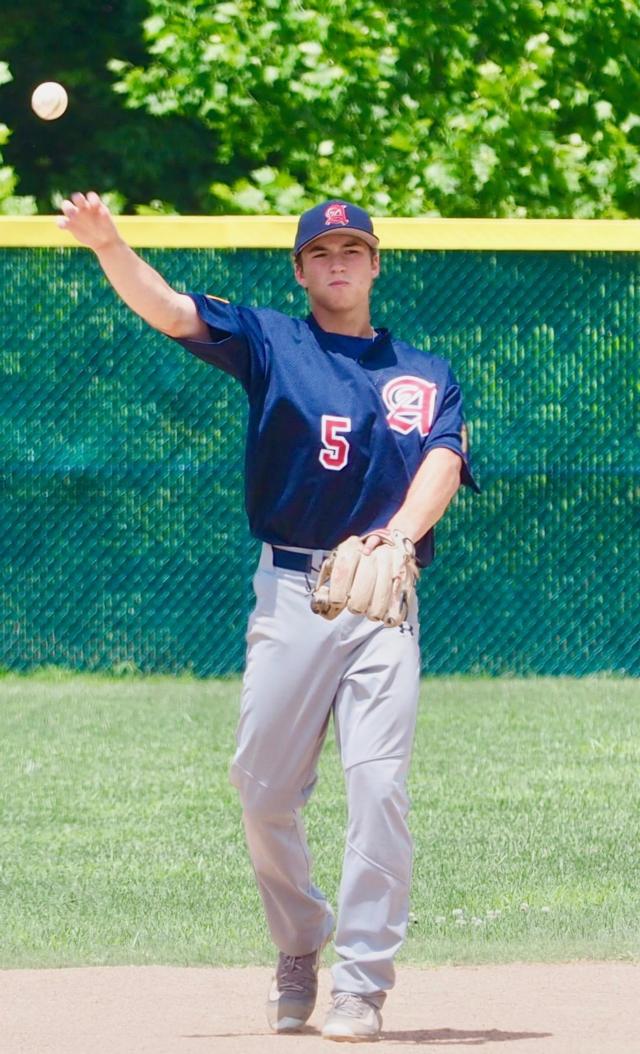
column 351, row 1005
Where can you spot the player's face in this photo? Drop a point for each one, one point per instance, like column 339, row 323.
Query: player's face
column 338, row 271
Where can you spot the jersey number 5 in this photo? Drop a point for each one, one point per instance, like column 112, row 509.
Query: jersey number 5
column 335, row 448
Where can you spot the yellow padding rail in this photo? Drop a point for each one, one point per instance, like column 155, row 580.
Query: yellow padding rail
column 277, row 232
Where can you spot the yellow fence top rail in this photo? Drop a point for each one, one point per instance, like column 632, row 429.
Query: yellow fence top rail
column 277, row 232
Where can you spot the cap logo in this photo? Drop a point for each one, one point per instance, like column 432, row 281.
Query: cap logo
column 335, row 214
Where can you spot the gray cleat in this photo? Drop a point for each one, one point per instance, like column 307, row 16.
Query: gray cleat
column 352, row 1019
column 293, row 991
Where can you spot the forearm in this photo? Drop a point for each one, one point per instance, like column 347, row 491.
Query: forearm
column 143, row 289
column 429, row 495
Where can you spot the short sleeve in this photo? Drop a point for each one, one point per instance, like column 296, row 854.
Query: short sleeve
column 449, row 430
column 237, row 344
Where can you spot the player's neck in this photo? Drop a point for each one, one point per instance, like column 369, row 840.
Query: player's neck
column 356, row 323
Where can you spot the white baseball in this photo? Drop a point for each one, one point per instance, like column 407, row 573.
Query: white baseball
column 49, row 100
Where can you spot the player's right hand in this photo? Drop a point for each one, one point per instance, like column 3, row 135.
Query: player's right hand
column 88, row 219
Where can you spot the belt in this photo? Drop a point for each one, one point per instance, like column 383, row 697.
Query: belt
column 292, row 561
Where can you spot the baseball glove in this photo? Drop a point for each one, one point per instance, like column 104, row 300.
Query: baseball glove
column 379, row 585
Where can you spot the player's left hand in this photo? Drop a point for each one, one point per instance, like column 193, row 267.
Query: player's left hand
column 373, row 576
column 372, row 541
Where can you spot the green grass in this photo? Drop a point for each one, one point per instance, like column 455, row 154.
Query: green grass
column 121, row 840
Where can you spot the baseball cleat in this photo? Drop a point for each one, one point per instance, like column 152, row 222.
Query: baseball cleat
column 293, row 991
column 352, row 1019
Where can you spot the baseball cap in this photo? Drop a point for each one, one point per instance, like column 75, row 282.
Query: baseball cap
column 332, row 216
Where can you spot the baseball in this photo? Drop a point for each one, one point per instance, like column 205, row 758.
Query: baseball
column 49, row 100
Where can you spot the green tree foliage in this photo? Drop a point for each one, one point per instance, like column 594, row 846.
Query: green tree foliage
column 493, row 108
column 10, row 204
column 470, row 107
column 98, row 143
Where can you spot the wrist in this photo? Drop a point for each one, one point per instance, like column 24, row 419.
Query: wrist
column 406, row 529
column 114, row 243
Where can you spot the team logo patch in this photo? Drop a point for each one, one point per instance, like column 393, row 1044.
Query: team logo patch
column 411, row 402
column 334, row 214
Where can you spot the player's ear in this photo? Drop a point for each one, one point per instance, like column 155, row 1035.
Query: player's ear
column 375, row 264
column 298, row 271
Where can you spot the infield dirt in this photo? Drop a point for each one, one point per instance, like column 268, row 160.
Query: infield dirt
column 578, row 1008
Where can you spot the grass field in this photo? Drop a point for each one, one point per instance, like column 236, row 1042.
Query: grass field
column 121, row 840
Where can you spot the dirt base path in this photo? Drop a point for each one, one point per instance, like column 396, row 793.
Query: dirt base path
column 586, row 1008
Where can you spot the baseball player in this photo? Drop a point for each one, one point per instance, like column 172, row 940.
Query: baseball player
column 355, row 445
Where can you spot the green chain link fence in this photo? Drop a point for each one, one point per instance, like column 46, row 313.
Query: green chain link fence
column 123, row 531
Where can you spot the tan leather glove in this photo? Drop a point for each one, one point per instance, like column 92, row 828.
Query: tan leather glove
column 379, row 585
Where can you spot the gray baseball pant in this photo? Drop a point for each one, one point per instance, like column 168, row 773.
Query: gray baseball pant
column 300, row 669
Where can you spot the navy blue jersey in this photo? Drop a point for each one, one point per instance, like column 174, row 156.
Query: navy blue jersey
column 338, row 426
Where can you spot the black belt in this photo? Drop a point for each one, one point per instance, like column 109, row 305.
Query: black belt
column 292, row 561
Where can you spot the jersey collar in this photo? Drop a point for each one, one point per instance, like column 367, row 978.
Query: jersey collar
column 354, row 347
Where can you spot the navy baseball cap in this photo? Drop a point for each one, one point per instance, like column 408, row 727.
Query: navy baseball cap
column 332, row 216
